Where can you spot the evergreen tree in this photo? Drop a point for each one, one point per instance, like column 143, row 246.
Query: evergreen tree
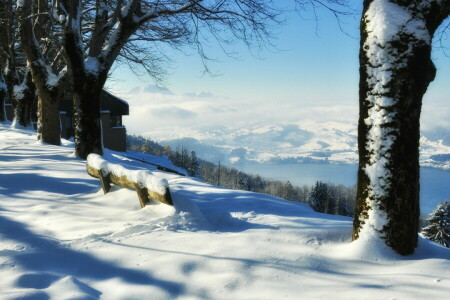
column 193, row 166
column 145, row 148
column 439, row 229
column 319, row 197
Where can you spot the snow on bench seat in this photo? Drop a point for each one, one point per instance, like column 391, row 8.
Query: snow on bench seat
column 144, row 182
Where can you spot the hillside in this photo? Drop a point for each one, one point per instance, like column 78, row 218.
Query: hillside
column 62, row 238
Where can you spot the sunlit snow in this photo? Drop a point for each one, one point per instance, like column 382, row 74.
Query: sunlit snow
column 62, row 238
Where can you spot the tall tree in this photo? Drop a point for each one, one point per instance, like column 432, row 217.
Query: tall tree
column 5, row 10
column 119, row 24
column 18, row 82
column 318, row 199
column 7, row 55
column 395, row 70
column 45, row 65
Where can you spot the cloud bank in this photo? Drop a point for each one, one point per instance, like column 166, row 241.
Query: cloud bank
column 153, row 108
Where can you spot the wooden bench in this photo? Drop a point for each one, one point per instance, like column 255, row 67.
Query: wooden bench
column 110, row 173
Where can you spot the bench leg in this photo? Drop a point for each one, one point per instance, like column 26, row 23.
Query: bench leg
column 106, row 182
column 142, row 194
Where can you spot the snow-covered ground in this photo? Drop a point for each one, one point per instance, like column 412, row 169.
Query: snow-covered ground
column 62, row 238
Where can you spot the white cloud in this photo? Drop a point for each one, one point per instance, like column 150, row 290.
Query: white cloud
column 150, row 109
column 434, row 117
column 172, row 112
column 156, row 89
column 151, row 88
column 199, row 94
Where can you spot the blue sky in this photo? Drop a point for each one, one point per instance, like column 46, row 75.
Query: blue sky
column 313, row 75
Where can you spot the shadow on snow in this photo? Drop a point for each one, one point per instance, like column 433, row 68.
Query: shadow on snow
column 47, row 257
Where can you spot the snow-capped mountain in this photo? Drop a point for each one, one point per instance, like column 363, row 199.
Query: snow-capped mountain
column 304, row 141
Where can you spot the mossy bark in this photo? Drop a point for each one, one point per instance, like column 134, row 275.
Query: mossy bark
column 408, row 85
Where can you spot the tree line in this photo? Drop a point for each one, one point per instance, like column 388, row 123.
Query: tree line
column 322, row 197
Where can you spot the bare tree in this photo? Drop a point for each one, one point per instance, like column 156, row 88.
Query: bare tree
column 395, row 70
column 19, row 88
column 117, row 27
column 6, row 49
column 36, row 38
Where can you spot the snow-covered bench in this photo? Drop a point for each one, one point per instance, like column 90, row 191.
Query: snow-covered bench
column 147, row 185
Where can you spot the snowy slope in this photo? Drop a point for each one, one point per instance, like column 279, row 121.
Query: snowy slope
column 61, row 238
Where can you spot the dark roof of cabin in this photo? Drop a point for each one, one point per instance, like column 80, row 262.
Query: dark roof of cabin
column 117, row 106
column 108, row 101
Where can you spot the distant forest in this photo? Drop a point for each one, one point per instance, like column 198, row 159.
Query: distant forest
column 322, row 197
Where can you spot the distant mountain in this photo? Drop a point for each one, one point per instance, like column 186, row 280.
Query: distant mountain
column 306, row 141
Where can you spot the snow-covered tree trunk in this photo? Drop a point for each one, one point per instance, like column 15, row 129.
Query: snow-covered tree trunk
column 47, row 83
column 23, row 97
column 395, row 70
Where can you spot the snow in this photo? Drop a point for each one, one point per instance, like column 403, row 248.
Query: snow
column 143, row 178
column 118, row 98
column 19, row 90
column 268, row 142
column 385, row 22
column 126, row 10
column 387, row 19
column 62, row 238
column 20, row 4
column 138, row 160
column 111, row 43
column 91, row 65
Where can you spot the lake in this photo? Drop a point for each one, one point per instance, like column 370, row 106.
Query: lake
column 434, row 183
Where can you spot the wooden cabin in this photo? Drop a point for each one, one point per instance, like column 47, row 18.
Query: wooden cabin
column 112, row 108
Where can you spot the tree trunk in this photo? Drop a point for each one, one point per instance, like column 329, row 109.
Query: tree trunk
column 24, row 96
column 49, row 90
column 48, row 127
column 86, row 102
column 2, row 105
column 2, row 97
column 395, row 70
column 86, row 87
